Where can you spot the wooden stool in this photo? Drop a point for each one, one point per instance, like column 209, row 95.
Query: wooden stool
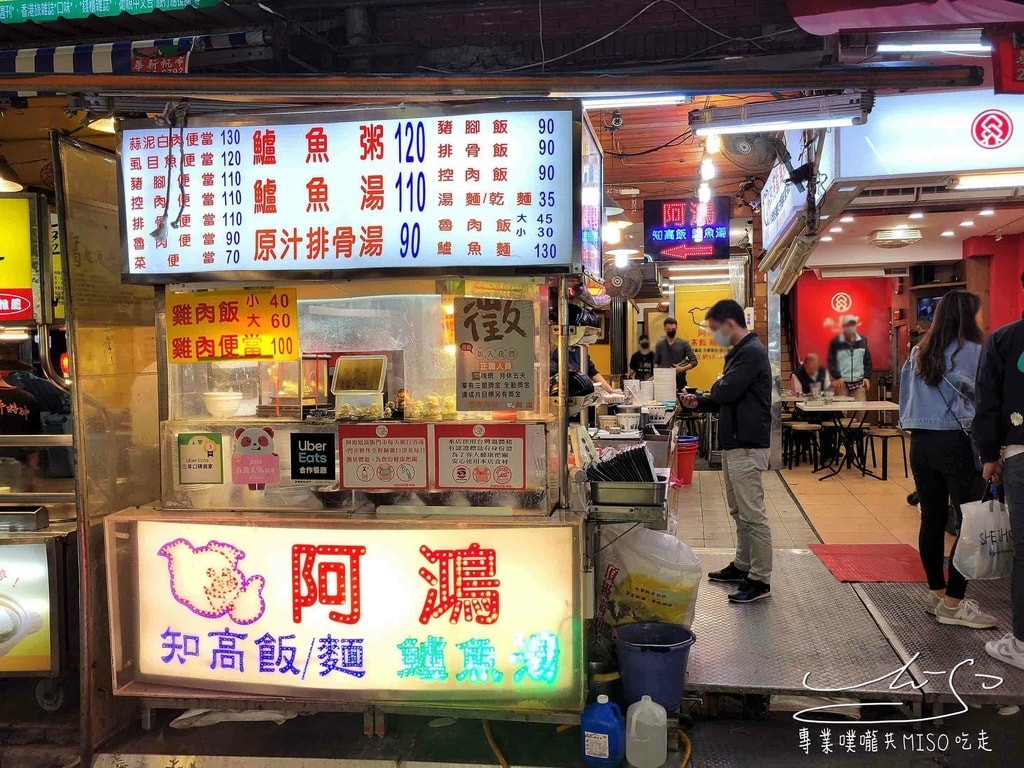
column 802, row 431
column 885, row 434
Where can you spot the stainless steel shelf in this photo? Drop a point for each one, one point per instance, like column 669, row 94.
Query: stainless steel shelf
column 37, row 498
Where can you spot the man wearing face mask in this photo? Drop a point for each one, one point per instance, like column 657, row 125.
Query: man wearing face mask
column 641, row 364
column 742, row 398
column 671, row 352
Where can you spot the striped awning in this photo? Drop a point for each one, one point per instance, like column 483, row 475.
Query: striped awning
column 114, row 58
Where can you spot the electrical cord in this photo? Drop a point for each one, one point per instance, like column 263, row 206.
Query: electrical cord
column 494, row 746
column 628, row 22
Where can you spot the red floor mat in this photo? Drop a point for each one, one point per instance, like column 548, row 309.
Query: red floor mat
column 871, row 562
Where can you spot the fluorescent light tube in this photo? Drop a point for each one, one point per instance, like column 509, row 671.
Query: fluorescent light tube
column 991, row 180
column 937, row 47
column 627, row 100
column 813, row 112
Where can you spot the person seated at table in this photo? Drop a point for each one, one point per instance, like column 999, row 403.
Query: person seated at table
column 807, row 375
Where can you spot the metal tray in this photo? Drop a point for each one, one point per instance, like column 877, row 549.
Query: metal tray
column 19, row 517
column 629, row 494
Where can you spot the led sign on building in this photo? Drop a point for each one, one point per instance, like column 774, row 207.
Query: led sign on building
column 687, row 229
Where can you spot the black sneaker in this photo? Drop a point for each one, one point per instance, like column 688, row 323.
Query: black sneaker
column 750, row 590
column 728, row 575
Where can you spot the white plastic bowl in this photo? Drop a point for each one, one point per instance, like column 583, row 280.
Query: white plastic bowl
column 629, row 421
column 222, row 405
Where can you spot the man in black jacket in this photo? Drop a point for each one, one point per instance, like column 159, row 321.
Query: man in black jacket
column 999, row 434
column 742, row 398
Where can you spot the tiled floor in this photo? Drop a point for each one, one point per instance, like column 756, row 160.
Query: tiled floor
column 702, row 519
column 853, row 509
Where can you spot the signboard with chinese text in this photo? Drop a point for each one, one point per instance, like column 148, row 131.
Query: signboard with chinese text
column 383, row 456
column 687, row 229
column 479, row 612
column 939, row 133
column 592, row 200
column 58, row 269
column 25, row 629
column 480, row 456
column 419, row 188
column 200, row 458
column 17, row 11
column 1008, row 60
column 494, row 339
column 256, row 324
column 16, row 295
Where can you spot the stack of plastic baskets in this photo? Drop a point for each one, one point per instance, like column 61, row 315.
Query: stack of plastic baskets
column 686, row 457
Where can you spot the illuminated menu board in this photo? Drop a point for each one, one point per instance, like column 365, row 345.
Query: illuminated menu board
column 687, row 229
column 460, row 190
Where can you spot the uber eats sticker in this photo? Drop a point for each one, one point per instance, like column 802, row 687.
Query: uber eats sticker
column 200, row 458
column 313, row 456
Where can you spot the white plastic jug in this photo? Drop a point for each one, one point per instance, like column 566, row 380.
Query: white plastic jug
column 646, row 734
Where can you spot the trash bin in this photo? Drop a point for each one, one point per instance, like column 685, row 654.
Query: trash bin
column 686, row 458
column 652, row 661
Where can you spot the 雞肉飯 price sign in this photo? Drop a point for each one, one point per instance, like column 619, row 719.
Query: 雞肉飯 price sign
column 257, row 324
column 491, row 189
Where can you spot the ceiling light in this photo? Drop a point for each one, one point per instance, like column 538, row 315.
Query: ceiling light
column 713, row 144
column 611, row 234
column 621, row 223
column 106, row 124
column 847, row 219
column 617, row 251
column 949, row 233
column 916, row 216
column 621, row 259
column 991, row 180
column 707, row 169
column 902, row 226
column 704, row 192
column 987, row 212
column 611, row 208
column 827, row 239
column 783, row 114
column 627, row 100
column 837, row 230
column 967, row 223
column 9, row 179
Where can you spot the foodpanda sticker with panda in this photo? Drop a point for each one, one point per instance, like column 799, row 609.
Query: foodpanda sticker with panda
column 254, row 462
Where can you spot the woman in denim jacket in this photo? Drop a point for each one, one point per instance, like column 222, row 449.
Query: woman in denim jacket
column 937, row 408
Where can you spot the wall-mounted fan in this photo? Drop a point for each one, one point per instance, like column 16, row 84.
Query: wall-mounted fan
column 624, row 283
column 752, row 152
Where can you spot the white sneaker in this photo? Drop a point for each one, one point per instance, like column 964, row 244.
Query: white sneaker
column 931, row 603
column 1007, row 649
column 967, row 614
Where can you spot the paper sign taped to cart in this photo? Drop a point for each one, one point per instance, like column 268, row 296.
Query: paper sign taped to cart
column 409, row 189
column 430, row 613
column 383, row 456
column 25, row 642
column 480, row 456
column 256, row 324
column 495, row 343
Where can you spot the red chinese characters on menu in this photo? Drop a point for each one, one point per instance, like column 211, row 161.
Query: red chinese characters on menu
column 461, row 584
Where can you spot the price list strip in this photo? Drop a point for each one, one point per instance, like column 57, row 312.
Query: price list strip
column 490, row 189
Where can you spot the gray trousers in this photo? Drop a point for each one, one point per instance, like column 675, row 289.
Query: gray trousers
column 742, row 468
column 1013, row 485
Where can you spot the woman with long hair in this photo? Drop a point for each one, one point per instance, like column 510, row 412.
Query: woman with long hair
column 937, row 407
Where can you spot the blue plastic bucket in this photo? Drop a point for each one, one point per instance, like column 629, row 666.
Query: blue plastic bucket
column 687, row 439
column 652, row 661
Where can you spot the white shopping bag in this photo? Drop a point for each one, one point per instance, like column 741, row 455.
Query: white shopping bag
column 985, row 548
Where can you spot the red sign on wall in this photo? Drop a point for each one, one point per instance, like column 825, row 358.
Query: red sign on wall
column 821, row 303
column 15, row 304
column 1008, row 61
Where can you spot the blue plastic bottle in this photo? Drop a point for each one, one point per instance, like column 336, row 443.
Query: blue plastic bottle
column 604, row 734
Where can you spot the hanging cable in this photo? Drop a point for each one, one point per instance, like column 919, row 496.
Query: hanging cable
column 494, row 746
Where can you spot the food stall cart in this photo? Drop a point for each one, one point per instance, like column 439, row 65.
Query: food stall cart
column 363, row 496
column 37, row 564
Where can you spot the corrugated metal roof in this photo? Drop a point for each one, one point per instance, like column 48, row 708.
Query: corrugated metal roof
column 158, row 24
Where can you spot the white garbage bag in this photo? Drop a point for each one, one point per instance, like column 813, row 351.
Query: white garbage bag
column 648, row 576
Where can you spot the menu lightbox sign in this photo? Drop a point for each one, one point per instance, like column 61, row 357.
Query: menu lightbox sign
column 687, row 229
column 463, row 189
